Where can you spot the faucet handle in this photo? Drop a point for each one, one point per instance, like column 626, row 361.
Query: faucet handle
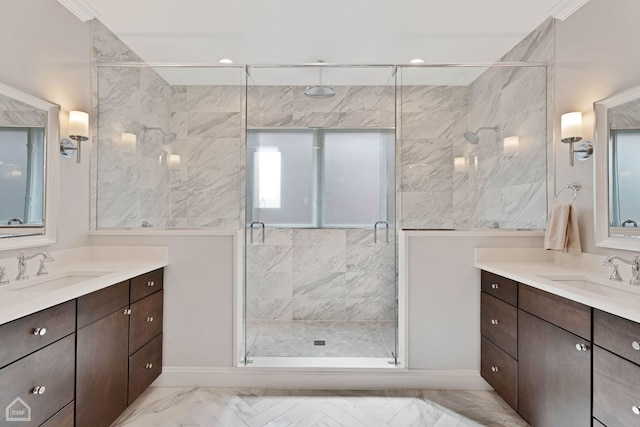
column 4, row 280
column 42, row 271
column 615, row 274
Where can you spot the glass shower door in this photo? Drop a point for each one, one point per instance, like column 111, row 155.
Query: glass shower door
column 320, row 246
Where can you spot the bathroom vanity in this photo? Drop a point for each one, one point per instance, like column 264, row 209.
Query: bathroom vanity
column 559, row 348
column 81, row 361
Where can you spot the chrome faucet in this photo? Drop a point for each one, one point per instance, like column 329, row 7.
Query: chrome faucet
column 635, row 268
column 22, row 264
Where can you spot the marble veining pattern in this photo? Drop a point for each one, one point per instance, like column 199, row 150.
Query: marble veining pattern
column 229, row 407
column 320, row 274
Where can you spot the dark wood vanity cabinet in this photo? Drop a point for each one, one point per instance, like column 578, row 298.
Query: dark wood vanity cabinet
column 554, row 377
column 536, row 352
column 499, row 341
column 114, row 324
column 616, row 371
column 38, row 363
column 102, row 350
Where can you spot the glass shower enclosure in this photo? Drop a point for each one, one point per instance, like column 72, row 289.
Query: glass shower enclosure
column 320, row 270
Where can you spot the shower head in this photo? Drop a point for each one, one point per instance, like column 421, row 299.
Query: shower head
column 167, row 137
column 473, row 138
column 319, row 91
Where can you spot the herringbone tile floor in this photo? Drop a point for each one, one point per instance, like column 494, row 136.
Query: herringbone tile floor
column 213, row 407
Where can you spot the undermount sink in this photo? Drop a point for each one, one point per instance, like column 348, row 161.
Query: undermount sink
column 54, row 281
column 595, row 287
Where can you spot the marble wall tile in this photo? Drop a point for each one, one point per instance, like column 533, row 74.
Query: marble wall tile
column 422, row 210
column 318, row 284
column 214, row 125
column 106, row 47
column 319, row 309
column 319, row 258
column 320, row 237
column 626, row 116
column 370, row 309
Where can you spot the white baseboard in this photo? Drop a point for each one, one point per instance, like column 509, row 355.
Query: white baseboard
column 174, row 376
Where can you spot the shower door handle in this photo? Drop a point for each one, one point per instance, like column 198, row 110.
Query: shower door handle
column 386, row 233
column 261, row 224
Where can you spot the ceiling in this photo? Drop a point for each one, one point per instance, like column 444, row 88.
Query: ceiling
column 336, row 31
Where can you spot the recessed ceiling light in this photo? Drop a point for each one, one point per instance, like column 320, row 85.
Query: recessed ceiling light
column 226, row 61
column 417, row 61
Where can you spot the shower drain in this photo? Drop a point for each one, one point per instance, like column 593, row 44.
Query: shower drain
column 319, row 342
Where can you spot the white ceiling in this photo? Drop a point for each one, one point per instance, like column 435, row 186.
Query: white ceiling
column 336, row 31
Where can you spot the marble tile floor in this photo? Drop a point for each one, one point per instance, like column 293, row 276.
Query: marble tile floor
column 229, row 407
column 272, row 338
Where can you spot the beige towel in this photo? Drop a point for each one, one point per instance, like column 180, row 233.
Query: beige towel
column 562, row 230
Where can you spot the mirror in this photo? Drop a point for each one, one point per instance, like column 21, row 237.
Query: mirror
column 617, row 201
column 28, row 169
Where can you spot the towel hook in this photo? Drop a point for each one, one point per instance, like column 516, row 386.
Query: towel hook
column 576, row 186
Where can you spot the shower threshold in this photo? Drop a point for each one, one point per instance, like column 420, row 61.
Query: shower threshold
column 306, row 363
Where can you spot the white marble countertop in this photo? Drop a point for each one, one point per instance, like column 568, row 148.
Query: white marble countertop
column 115, row 263
column 553, row 274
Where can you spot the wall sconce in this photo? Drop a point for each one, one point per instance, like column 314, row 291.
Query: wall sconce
column 510, row 146
column 460, row 164
column 128, row 142
column 571, row 132
column 174, row 161
column 78, row 131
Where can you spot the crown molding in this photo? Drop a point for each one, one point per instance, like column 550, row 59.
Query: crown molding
column 80, row 8
column 564, row 8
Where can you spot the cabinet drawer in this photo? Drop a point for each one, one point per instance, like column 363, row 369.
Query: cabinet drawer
column 618, row 335
column 499, row 323
column 53, row 324
column 500, row 370
column 64, row 418
column 500, row 287
column 99, row 304
column 569, row 315
column 145, row 365
column 51, row 368
column 616, row 389
column 146, row 284
column 146, row 321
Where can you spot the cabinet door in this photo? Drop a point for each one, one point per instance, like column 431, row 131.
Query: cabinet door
column 37, row 386
column 554, row 377
column 145, row 365
column 146, row 321
column 101, row 378
column 616, row 389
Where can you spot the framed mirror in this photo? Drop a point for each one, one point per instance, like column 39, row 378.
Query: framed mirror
column 29, row 136
column 617, row 175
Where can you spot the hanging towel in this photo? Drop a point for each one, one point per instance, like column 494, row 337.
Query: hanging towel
column 562, row 230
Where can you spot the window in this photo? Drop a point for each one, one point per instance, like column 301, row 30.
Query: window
column 319, row 178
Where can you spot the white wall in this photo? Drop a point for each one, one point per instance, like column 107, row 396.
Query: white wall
column 596, row 56
column 46, row 52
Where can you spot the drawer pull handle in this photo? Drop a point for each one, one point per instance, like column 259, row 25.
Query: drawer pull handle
column 635, row 409
column 150, row 319
column 40, row 331
column 149, row 365
column 582, row 347
column 38, row 390
column 495, row 321
column 495, row 369
column 127, row 311
column 151, row 283
column 635, row 345
column 495, row 286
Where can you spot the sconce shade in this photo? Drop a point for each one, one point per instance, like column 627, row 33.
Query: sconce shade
column 174, row 161
column 460, row 164
column 510, row 145
column 78, row 123
column 571, row 126
column 128, row 142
